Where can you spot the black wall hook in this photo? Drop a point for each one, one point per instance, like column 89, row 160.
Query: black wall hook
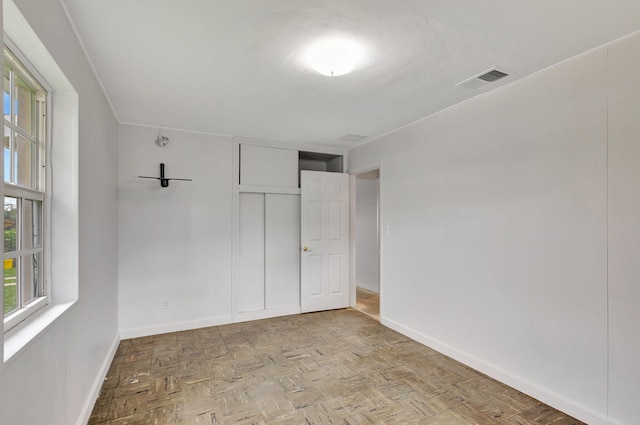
column 164, row 181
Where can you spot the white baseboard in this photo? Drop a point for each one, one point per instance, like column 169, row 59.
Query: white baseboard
column 97, row 384
column 544, row 395
column 371, row 288
column 266, row 314
column 174, row 327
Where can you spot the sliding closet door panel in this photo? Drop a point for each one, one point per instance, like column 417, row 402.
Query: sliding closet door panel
column 250, row 293
column 282, row 253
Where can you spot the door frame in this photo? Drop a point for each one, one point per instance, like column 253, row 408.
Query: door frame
column 352, row 181
column 236, row 188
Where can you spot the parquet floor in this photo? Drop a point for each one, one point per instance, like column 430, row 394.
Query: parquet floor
column 368, row 302
column 335, row 367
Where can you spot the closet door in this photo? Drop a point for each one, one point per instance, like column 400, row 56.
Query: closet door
column 282, row 251
column 267, row 166
column 250, row 293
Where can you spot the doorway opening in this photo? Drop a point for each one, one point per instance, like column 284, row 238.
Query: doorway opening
column 367, row 242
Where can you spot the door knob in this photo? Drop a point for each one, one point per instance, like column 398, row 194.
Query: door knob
column 306, row 249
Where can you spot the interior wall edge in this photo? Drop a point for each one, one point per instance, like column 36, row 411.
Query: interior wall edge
column 99, row 381
column 508, row 86
column 539, row 393
column 89, row 59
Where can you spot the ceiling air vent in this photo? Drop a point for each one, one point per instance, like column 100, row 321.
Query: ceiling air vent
column 481, row 80
column 493, row 75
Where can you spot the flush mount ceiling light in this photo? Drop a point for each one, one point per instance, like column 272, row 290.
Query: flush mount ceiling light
column 335, row 56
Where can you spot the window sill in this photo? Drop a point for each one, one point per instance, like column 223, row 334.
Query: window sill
column 22, row 336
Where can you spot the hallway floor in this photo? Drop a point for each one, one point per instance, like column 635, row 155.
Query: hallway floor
column 333, row 367
column 368, row 302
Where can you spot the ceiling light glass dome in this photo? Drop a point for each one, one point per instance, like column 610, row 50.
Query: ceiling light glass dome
column 335, row 56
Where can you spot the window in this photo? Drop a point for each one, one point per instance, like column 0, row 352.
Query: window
column 25, row 124
column 43, row 203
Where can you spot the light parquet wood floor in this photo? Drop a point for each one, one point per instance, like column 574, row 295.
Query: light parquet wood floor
column 335, row 367
column 368, row 302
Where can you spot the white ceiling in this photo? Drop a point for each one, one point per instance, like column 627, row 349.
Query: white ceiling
column 233, row 66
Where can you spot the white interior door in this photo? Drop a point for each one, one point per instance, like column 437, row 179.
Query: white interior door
column 324, row 237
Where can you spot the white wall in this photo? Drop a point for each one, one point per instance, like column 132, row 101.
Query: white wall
column 175, row 242
column 624, row 230
column 497, row 252
column 64, row 367
column 366, row 233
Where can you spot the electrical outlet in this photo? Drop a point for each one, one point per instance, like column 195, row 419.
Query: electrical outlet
column 165, row 305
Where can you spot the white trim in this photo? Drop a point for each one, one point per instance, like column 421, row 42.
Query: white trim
column 174, row 327
column 20, row 31
column 269, row 189
column 16, row 191
column 540, row 393
column 21, row 314
column 97, row 384
column 365, row 169
column 23, row 253
column 23, row 61
column 352, row 239
column 162, row 127
column 88, row 57
column 293, row 146
column 265, row 314
column 21, row 337
column 235, row 225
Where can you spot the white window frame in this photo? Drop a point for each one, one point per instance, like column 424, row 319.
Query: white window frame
column 24, row 193
column 62, row 250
